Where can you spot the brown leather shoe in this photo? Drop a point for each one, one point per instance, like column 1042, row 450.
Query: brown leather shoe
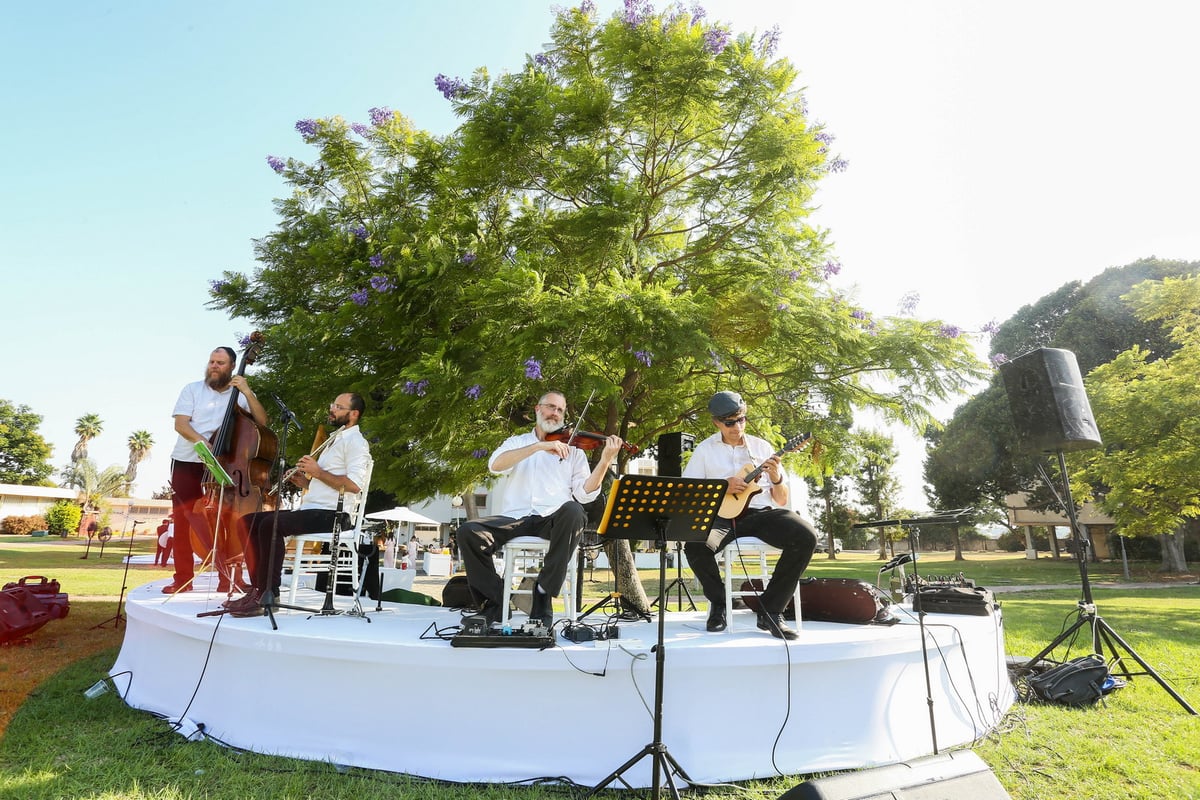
column 172, row 588
column 250, row 600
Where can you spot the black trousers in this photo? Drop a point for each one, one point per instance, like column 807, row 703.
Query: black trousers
column 265, row 562
column 479, row 539
column 778, row 527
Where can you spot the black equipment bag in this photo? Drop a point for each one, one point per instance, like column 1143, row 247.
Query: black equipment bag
column 457, row 593
column 1078, row 682
column 833, row 600
column 976, row 601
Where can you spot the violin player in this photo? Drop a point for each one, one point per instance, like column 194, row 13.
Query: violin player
column 341, row 468
column 547, row 483
column 198, row 414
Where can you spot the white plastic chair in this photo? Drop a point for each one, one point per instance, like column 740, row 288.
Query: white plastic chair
column 745, row 560
column 345, row 561
column 523, row 557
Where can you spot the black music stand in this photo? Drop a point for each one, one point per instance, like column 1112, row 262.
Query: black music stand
column 660, row 508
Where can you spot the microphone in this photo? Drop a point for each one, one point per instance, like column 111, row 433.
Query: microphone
column 903, row 558
column 286, row 413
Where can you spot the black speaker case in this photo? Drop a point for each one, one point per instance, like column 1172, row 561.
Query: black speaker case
column 1049, row 406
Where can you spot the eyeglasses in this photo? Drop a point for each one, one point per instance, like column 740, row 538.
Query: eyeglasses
column 550, row 407
column 729, row 423
column 336, row 407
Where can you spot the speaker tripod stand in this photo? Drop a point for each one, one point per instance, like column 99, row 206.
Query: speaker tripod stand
column 1088, row 617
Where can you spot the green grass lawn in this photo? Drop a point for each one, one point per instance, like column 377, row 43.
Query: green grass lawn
column 1140, row 744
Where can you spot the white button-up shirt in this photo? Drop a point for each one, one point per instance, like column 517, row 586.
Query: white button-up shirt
column 541, row 483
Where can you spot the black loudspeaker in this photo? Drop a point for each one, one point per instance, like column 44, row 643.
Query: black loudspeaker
column 1050, row 408
column 950, row 776
column 671, row 447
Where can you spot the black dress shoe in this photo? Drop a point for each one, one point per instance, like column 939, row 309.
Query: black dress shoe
column 776, row 626
column 492, row 612
column 542, row 611
column 716, row 618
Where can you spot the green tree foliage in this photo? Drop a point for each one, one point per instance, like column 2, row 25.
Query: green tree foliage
column 63, row 517
column 876, row 481
column 87, row 427
column 626, row 213
column 971, row 462
column 24, row 454
column 1148, row 412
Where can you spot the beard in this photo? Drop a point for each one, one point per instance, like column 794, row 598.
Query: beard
column 218, row 381
column 547, row 426
column 335, row 421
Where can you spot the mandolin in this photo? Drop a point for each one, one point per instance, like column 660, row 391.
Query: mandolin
column 734, row 505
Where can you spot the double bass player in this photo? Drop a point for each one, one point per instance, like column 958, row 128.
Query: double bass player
column 198, row 413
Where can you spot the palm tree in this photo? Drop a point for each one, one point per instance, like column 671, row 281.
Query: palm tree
column 140, row 443
column 93, row 484
column 87, row 427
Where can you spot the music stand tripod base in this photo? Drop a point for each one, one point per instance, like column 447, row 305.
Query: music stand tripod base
column 662, row 509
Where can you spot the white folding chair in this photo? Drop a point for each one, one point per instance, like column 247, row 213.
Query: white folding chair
column 342, row 563
column 523, row 557
column 746, row 560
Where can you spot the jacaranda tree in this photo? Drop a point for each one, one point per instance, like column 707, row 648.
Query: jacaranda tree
column 627, row 213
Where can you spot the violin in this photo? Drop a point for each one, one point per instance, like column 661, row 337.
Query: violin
column 586, row 440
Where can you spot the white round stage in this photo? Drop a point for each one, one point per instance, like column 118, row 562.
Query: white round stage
column 390, row 695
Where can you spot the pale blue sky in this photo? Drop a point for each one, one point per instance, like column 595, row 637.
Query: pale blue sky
column 995, row 151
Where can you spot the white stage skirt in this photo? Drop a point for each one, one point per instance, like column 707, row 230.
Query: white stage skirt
column 736, row 705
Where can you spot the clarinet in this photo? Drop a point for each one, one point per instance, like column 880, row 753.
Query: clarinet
column 327, row 608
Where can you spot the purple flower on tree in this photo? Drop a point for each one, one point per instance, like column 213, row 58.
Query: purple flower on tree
column 698, row 13
column 794, row 275
column 949, row 331
column 908, row 303
column 998, row 359
column 307, row 128
column 380, row 116
column 542, row 60
column 533, row 369
column 636, row 12
column 419, row 388
column 858, row 313
column 216, row 287
column 276, row 164
column 359, row 128
column 474, row 391
column 376, row 260
column 991, row 328
column 716, row 40
column 360, row 297
column 451, row 88
column 644, row 356
column 360, row 232
column 768, row 42
column 831, row 268
column 479, row 452
column 381, row 283
column 838, row 165
column 244, row 342
column 468, row 259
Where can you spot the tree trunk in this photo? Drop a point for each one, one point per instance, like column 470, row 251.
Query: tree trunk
column 625, row 576
column 958, row 555
column 1172, row 552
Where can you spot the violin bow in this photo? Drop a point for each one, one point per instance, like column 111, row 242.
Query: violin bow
column 582, row 414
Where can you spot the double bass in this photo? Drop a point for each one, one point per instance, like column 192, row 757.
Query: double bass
column 246, row 451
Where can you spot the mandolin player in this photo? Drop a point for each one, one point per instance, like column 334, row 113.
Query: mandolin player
column 726, row 454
